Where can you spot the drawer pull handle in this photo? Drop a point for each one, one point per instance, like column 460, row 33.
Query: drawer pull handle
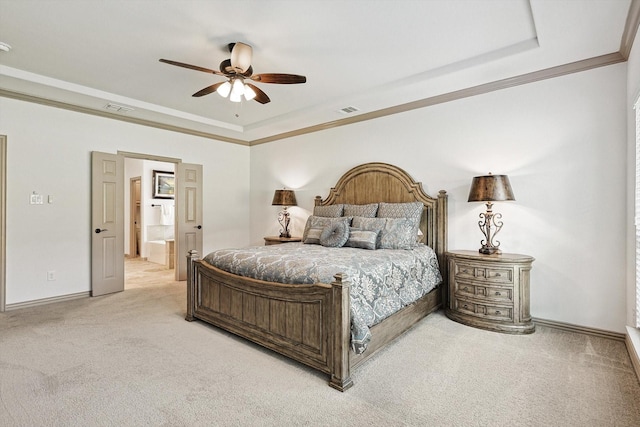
column 465, row 306
column 497, row 274
column 466, row 288
column 497, row 312
column 498, row 293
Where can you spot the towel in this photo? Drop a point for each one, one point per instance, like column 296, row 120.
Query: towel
column 166, row 214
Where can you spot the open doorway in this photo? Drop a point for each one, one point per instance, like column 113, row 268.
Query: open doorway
column 150, row 226
column 110, row 229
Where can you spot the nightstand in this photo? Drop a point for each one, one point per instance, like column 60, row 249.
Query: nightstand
column 490, row 291
column 276, row 240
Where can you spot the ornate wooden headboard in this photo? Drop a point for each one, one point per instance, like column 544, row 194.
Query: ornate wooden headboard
column 382, row 182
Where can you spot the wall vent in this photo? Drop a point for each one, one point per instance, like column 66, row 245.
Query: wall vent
column 117, row 108
column 348, row 110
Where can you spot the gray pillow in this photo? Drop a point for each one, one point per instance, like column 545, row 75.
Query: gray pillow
column 329, row 211
column 398, row 233
column 367, row 211
column 400, row 210
column 313, row 236
column 320, row 222
column 363, row 239
column 335, row 235
column 370, row 224
column 409, row 210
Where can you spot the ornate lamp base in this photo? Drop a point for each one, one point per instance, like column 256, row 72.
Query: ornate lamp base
column 489, row 250
column 488, row 221
column 284, row 219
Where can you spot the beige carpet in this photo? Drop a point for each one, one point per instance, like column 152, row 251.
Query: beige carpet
column 130, row 359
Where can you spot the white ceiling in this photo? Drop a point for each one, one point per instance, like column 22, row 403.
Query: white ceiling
column 370, row 54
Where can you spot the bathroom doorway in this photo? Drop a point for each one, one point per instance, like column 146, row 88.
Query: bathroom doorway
column 150, row 255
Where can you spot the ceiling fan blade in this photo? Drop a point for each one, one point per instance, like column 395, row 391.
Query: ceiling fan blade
column 241, row 57
column 261, row 97
column 207, row 90
column 191, row 67
column 285, row 79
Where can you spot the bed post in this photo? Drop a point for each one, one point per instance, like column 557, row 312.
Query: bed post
column 191, row 286
column 340, row 334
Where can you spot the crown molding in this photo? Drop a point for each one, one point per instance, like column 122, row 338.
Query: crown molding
column 78, row 109
column 548, row 73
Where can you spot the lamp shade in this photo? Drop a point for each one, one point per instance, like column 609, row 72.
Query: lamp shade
column 490, row 188
column 284, row 198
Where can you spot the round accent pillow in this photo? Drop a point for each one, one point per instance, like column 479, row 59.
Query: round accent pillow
column 335, row 235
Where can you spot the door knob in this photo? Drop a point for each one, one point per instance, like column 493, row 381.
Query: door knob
column 199, row 227
column 98, row 230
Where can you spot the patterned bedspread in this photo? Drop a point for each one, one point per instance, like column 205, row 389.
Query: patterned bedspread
column 382, row 281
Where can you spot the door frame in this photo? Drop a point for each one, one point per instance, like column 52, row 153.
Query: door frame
column 132, row 214
column 3, row 221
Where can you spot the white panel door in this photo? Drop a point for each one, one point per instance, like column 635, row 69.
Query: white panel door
column 188, row 214
column 107, row 222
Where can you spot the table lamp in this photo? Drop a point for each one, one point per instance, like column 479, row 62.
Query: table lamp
column 284, row 198
column 490, row 188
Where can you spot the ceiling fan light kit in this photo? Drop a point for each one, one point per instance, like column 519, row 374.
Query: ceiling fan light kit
column 236, row 69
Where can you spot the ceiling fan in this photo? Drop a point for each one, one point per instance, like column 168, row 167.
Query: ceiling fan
column 237, row 70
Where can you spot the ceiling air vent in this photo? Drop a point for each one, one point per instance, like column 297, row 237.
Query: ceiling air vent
column 348, row 110
column 118, row 108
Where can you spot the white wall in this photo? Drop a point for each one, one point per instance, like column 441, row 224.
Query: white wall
column 561, row 141
column 633, row 92
column 49, row 152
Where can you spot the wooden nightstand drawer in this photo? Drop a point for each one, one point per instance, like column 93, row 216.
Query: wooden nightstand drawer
column 493, row 274
column 465, row 289
column 497, row 312
column 499, row 275
column 483, row 310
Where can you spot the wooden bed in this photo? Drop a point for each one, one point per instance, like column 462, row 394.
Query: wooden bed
column 311, row 323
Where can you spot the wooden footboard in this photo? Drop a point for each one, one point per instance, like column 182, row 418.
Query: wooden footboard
column 307, row 323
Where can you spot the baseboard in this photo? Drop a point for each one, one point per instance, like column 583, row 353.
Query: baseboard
column 580, row 329
column 632, row 340
column 45, row 301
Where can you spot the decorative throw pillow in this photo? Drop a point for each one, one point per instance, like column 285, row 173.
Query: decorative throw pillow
column 370, row 224
column 335, row 235
column 313, row 236
column 410, row 210
column 363, row 239
column 398, row 233
column 400, row 210
column 367, row 211
column 321, row 222
column 329, row 211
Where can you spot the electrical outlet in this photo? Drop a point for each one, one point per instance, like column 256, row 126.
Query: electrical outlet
column 51, row 275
